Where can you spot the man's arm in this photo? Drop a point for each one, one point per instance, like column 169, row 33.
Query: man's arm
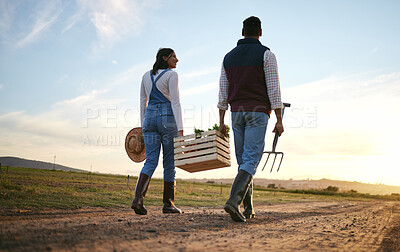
column 222, row 126
column 273, row 88
column 222, row 100
column 278, row 126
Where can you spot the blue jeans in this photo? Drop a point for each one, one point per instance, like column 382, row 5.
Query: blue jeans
column 159, row 129
column 249, row 136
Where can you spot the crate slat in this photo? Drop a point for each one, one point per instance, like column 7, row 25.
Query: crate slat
column 202, row 141
column 196, row 141
column 199, row 153
column 193, row 148
column 204, row 163
column 181, row 149
column 203, row 134
column 195, row 153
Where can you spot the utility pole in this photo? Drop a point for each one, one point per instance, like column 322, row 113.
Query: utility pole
column 54, row 164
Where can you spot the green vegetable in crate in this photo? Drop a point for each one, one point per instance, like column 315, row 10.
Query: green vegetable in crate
column 216, row 127
column 198, row 132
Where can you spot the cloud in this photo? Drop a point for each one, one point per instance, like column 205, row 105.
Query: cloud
column 199, row 89
column 196, row 80
column 44, row 18
column 201, row 72
column 352, row 98
column 64, row 119
column 341, row 122
column 82, row 100
column 61, row 121
column 129, row 76
column 6, row 10
column 43, row 125
column 74, row 19
column 114, row 20
column 87, row 129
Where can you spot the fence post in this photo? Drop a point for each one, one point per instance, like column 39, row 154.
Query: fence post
column 221, row 188
column 127, row 183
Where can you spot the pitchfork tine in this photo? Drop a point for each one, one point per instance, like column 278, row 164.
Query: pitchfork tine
column 272, row 167
column 280, row 162
column 265, row 162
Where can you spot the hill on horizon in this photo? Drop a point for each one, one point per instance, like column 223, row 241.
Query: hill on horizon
column 26, row 163
column 318, row 184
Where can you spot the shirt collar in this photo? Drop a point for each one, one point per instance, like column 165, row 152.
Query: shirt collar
column 248, row 41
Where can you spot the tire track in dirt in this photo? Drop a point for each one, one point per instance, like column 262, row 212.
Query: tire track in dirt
column 391, row 241
column 328, row 226
column 373, row 233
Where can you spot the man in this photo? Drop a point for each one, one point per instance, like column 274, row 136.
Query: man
column 249, row 83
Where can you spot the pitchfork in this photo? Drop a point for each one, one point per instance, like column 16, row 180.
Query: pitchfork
column 274, row 146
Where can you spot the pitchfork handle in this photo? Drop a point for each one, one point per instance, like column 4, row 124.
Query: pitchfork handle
column 275, row 141
column 276, row 133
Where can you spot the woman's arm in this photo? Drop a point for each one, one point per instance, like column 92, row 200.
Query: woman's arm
column 173, row 85
column 143, row 102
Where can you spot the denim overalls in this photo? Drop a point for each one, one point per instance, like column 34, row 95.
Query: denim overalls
column 159, row 129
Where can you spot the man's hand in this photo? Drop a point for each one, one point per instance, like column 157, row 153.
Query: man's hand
column 222, row 129
column 180, row 133
column 278, row 128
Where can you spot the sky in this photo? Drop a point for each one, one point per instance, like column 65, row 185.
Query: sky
column 70, row 74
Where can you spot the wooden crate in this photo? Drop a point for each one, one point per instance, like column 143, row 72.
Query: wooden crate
column 200, row 152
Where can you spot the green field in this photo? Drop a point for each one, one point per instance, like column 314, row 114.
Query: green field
column 24, row 188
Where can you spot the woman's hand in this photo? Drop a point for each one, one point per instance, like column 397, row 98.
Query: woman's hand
column 180, row 133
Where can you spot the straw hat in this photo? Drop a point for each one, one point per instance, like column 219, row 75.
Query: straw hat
column 134, row 145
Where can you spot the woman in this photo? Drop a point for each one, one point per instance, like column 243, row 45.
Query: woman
column 161, row 120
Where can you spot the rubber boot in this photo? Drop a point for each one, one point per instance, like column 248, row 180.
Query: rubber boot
column 168, row 198
column 238, row 191
column 140, row 192
column 248, row 203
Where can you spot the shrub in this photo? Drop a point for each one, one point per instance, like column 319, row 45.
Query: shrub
column 331, row 189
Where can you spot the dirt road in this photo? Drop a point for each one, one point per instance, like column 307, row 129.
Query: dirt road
column 313, row 226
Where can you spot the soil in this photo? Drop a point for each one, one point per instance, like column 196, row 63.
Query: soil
column 305, row 226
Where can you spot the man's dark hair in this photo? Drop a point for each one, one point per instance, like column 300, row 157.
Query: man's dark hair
column 252, row 26
column 160, row 62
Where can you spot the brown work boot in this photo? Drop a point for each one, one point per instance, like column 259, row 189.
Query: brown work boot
column 168, row 198
column 140, row 192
